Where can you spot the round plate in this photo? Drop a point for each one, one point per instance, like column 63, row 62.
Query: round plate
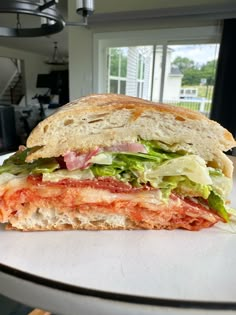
column 121, row 272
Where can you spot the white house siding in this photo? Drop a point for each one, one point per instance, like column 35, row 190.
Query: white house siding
column 172, row 88
column 132, row 71
column 132, row 68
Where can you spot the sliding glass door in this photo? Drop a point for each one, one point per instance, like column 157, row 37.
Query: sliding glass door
column 169, row 66
column 182, row 75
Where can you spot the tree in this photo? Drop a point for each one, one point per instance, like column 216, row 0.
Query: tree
column 193, row 72
column 183, row 63
column 192, row 76
column 208, row 72
column 118, row 62
column 189, row 70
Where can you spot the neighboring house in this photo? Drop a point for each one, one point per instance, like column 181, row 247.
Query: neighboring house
column 188, row 93
column 173, row 81
column 130, row 72
column 173, row 78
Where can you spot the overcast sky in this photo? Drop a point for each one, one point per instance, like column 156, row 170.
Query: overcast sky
column 199, row 53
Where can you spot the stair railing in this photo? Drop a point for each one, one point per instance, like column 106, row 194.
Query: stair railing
column 16, row 91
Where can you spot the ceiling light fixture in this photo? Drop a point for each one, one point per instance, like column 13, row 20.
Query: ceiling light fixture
column 56, row 59
column 84, row 8
column 51, row 21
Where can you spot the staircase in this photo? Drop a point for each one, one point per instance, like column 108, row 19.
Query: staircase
column 14, row 92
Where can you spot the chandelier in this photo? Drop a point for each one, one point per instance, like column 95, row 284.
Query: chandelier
column 50, row 19
column 56, row 59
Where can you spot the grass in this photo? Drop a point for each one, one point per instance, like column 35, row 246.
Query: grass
column 193, row 105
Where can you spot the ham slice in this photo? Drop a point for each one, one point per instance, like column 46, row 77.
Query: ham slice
column 78, row 161
column 75, row 160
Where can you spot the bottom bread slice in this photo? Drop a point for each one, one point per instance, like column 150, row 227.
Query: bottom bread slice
column 122, row 214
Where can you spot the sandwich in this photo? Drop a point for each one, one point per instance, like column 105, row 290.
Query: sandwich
column 110, row 161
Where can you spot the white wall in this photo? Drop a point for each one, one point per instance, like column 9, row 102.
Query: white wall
column 105, row 6
column 33, row 65
column 80, row 62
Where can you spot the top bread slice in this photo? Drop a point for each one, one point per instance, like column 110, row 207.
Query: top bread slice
column 103, row 120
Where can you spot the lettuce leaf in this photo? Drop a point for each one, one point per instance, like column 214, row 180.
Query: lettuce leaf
column 154, row 149
column 192, row 166
column 16, row 164
column 105, row 170
column 188, row 188
column 221, row 184
column 216, row 203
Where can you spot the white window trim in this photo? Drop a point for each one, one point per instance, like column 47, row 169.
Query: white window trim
column 118, row 77
column 102, row 41
column 140, row 81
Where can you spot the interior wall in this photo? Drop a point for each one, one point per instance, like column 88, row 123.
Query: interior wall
column 104, row 6
column 33, row 65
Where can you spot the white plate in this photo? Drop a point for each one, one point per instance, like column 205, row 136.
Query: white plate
column 121, row 272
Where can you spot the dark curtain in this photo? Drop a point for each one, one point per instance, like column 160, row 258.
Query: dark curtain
column 224, row 97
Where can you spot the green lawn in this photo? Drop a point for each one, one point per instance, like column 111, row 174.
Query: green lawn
column 193, row 105
column 203, row 91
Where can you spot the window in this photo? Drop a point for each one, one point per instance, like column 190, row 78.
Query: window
column 128, row 70
column 192, row 84
column 170, row 66
column 117, row 70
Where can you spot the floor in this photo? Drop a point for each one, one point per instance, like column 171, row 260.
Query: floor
column 10, row 307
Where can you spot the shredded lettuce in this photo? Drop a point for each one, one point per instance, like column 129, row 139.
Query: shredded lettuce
column 16, row 164
column 105, row 170
column 222, row 184
column 216, row 203
column 155, row 149
column 186, row 187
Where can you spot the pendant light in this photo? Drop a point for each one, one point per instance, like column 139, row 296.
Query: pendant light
column 56, row 59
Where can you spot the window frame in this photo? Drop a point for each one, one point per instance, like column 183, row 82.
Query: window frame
column 119, row 78
column 140, row 75
column 164, row 37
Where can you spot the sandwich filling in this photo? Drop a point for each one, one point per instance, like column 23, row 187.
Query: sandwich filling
column 136, row 185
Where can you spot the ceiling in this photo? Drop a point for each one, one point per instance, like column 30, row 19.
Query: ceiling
column 108, row 11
